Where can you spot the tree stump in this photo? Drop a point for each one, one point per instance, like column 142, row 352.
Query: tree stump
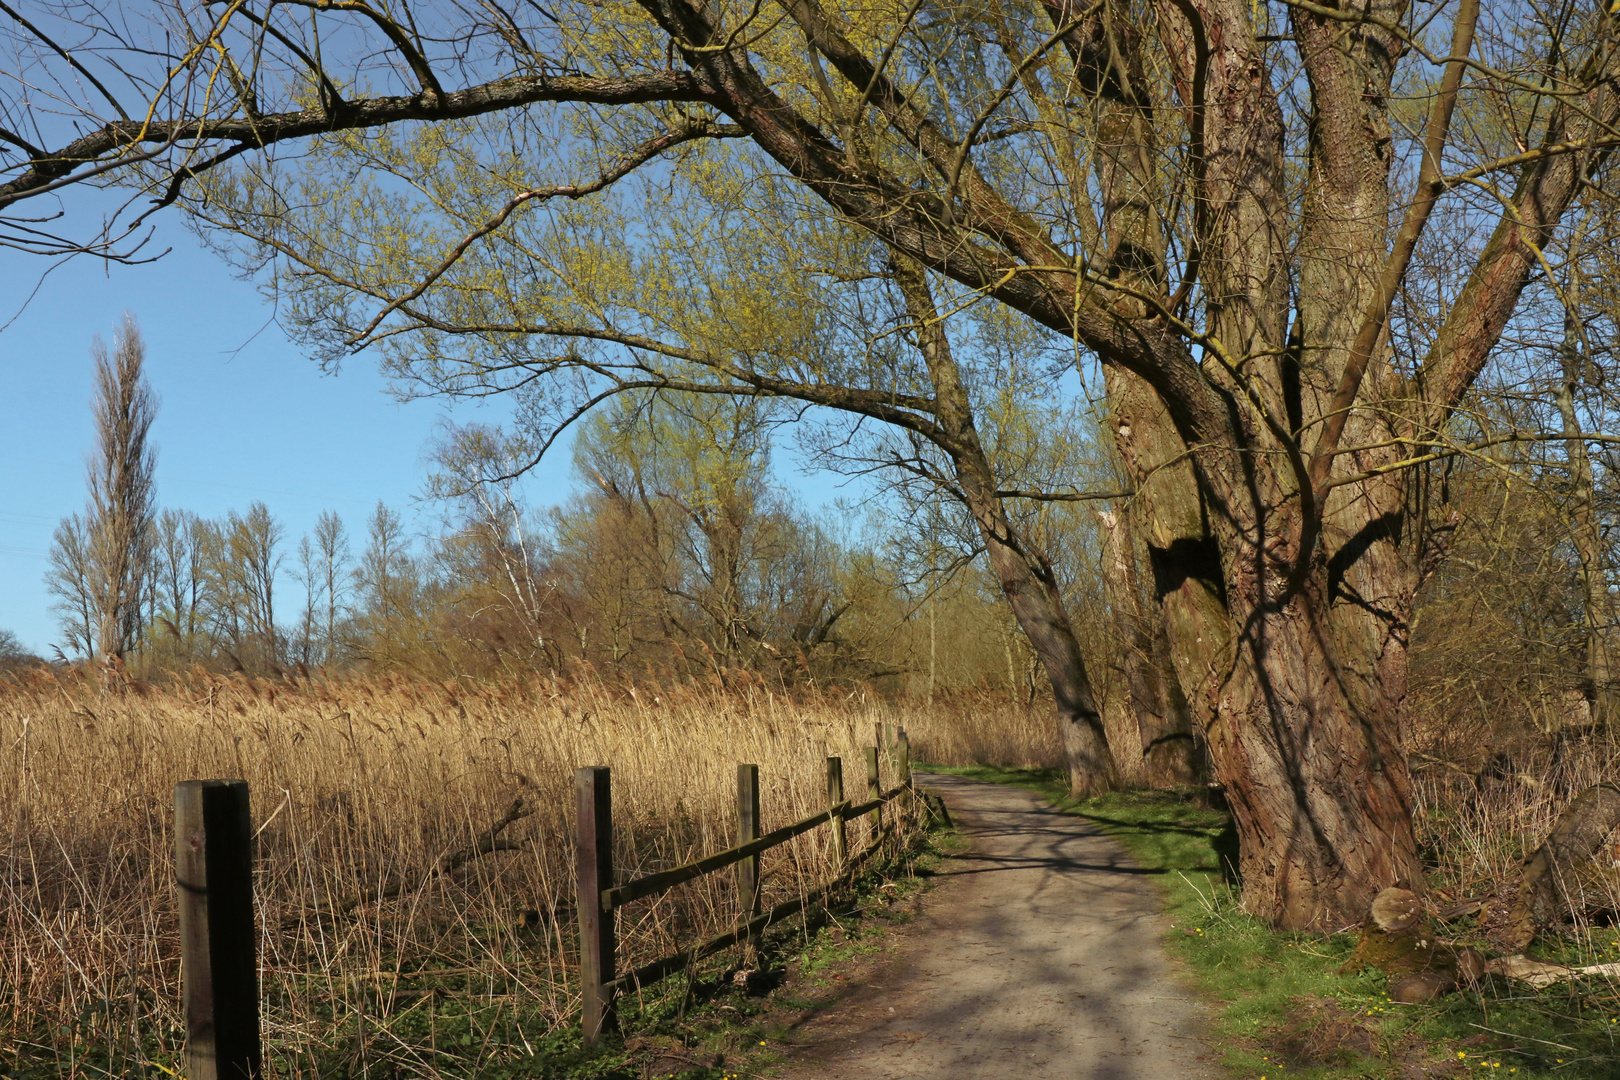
column 1397, row 940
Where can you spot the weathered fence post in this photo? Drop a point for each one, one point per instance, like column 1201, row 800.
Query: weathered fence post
column 873, row 790
column 835, row 795
column 593, row 850
column 903, row 757
column 748, row 829
column 219, row 972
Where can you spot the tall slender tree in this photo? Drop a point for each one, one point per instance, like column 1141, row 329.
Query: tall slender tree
column 123, row 493
column 102, row 563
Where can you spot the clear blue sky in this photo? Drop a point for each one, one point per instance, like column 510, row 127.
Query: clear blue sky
column 243, row 415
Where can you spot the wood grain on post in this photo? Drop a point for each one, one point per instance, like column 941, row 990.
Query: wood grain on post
column 903, row 757
column 219, row 973
column 593, row 850
column 873, row 790
column 835, row 795
column 748, row 829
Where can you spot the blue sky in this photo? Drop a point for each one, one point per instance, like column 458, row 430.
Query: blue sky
column 243, row 415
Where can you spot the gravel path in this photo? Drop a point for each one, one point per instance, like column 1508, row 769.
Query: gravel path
column 1036, row 957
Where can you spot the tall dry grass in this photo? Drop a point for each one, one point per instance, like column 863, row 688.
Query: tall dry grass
column 361, row 788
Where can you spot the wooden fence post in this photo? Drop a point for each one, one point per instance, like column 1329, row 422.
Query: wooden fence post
column 873, row 790
column 835, row 795
column 903, row 757
column 219, row 973
column 593, row 850
column 748, row 829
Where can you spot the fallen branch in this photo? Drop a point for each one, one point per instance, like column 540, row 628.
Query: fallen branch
column 1539, row 973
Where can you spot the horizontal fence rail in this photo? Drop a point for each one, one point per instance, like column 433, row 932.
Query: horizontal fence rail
column 664, row 880
column 599, row 898
column 652, row 972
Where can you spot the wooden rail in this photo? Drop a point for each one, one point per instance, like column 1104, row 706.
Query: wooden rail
column 664, row 880
column 651, row 972
column 599, row 898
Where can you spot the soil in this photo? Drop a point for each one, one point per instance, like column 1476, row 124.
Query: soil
column 1037, row 955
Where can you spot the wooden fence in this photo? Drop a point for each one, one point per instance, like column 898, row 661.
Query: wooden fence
column 213, row 872
column 599, row 898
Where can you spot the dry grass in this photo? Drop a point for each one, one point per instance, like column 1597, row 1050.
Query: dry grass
column 364, row 785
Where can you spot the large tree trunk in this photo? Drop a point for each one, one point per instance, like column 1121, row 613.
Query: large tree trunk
column 1301, row 703
column 1306, row 743
column 1301, row 699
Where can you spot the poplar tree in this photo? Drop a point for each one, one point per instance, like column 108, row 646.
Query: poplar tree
column 101, row 563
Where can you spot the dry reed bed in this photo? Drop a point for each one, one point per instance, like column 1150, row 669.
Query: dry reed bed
column 362, row 786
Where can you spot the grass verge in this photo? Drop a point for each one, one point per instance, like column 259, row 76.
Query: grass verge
column 1286, row 1004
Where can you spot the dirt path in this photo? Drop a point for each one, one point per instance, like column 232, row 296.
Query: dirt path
column 1036, row 957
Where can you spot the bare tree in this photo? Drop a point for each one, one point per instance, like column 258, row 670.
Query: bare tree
column 178, row 581
column 101, row 563
column 385, row 565
column 69, row 580
column 240, row 562
column 12, row 653
column 477, row 468
column 306, row 569
column 332, row 552
column 252, row 542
